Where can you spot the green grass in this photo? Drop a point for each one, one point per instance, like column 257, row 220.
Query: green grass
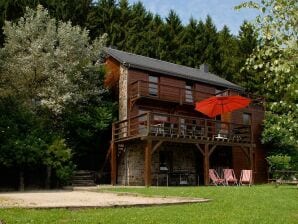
column 257, row 204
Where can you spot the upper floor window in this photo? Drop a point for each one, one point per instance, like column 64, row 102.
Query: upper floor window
column 219, row 92
column 153, row 85
column 246, row 118
column 188, row 93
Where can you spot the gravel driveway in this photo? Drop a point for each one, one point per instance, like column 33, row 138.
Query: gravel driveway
column 81, row 199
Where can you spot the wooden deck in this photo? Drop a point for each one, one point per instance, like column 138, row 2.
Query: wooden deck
column 175, row 128
column 157, row 128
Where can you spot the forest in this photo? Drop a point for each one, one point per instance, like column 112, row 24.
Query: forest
column 56, row 112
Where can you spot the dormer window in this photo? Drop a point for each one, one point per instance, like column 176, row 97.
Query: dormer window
column 153, row 85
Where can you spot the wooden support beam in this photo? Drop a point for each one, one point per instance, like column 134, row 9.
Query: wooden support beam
column 206, row 164
column 246, row 152
column 113, row 163
column 148, row 158
column 200, row 148
column 212, row 150
column 156, row 146
column 251, row 160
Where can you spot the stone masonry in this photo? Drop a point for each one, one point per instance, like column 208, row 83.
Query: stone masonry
column 131, row 164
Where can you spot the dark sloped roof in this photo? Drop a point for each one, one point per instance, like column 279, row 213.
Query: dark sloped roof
column 167, row 68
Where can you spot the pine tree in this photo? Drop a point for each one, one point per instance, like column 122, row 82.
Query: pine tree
column 247, row 43
column 209, row 44
column 227, row 63
column 102, row 19
column 189, row 45
column 173, row 38
column 140, row 19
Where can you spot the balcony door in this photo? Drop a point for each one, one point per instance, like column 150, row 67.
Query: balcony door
column 153, row 85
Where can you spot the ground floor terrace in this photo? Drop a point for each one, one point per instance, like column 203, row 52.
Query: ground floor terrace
column 180, row 150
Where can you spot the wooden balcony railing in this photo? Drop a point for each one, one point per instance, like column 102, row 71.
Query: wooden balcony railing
column 175, row 126
column 165, row 92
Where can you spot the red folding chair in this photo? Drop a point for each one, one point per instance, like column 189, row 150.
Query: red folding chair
column 229, row 176
column 214, row 177
column 246, row 177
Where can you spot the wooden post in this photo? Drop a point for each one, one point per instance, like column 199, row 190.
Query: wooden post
column 251, row 159
column 113, row 163
column 148, row 157
column 206, row 164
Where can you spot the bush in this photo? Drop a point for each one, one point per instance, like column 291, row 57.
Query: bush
column 279, row 162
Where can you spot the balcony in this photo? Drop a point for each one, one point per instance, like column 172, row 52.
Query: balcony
column 181, row 129
column 167, row 93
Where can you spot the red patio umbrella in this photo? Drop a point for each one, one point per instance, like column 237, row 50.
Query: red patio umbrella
column 216, row 105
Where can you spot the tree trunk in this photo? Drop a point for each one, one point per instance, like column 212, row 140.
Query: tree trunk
column 48, row 177
column 21, row 180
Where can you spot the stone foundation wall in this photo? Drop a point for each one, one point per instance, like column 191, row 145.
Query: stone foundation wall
column 183, row 160
column 131, row 164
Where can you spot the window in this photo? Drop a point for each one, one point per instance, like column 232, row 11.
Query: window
column 142, row 120
column 219, row 92
column 153, row 85
column 188, row 93
column 246, row 118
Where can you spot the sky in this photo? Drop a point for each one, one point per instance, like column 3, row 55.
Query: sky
column 221, row 11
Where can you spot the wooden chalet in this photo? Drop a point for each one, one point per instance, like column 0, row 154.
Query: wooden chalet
column 161, row 140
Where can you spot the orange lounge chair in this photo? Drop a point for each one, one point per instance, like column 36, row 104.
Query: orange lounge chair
column 229, row 176
column 246, row 177
column 215, row 179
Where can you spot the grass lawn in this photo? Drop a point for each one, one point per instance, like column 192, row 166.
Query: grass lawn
column 257, row 204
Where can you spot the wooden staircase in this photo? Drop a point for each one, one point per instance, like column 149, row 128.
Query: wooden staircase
column 83, row 178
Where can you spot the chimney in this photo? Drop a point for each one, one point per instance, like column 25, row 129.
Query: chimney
column 204, row 68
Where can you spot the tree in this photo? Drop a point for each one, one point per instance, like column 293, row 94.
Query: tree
column 246, row 44
column 226, row 65
column 51, row 68
column 22, row 145
column 64, row 10
column 173, row 38
column 208, row 40
column 49, row 62
column 103, row 19
column 189, row 48
column 276, row 60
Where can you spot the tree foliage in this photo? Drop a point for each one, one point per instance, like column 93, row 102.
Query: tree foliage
column 276, row 62
column 54, row 71
column 131, row 27
column 49, row 61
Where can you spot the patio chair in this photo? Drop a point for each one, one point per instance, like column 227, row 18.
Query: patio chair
column 246, row 177
column 215, row 179
column 230, row 177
